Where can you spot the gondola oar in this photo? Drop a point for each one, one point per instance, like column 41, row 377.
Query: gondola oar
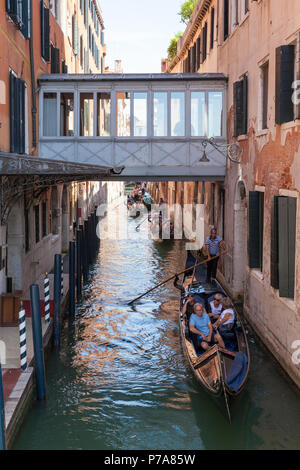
column 223, row 386
column 172, row 277
column 137, row 228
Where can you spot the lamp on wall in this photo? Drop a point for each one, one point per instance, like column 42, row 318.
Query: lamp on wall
column 232, row 151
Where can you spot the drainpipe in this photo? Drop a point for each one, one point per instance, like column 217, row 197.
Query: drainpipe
column 33, row 91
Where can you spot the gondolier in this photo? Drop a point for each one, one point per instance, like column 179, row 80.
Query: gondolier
column 214, row 247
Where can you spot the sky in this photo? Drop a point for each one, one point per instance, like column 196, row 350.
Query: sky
column 139, row 32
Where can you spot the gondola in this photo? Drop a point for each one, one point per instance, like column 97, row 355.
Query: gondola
column 212, row 368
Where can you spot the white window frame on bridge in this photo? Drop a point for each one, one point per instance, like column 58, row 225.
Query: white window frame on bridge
column 76, row 91
column 151, row 157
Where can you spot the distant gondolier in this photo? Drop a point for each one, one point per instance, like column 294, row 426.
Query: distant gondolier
column 214, row 247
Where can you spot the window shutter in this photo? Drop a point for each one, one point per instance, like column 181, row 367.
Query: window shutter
column 256, row 221
column 12, row 7
column 284, row 107
column 245, row 105
column 57, row 61
column 204, row 43
column 253, row 243
column 212, row 28
column 194, row 58
column 12, row 118
column 283, row 247
column 21, row 95
column 238, row 108
column 226, row 19
column 47, row 35
column 287, row 208
column 45, row 32
column 26, row 14
column 76, row 37
column 274, row 244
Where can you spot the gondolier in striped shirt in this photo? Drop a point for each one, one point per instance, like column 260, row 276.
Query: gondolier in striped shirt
column 214, row 247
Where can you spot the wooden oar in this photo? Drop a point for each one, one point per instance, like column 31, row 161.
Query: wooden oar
column 137, row 228
column 223, row 386
column 172, row 277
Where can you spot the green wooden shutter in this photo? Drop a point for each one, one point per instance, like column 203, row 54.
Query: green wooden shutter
column 212, row 28
column 292, row 214
column 26, row 14
column 11, row 110
column 287, row 245
column 254, row 230
column 274, row 244
column 245, row 105
column 285, row 75
column 238, row 108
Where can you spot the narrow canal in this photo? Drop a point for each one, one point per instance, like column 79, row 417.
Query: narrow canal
column 120, row 380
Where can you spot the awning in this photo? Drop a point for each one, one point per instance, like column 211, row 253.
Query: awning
column 15, row 164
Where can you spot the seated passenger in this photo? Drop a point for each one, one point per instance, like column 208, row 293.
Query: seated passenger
column 188, row 307
column 201, row 326
column 216, row 307
column 226, row 320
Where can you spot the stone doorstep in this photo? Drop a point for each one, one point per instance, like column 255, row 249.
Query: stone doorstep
column 17, row 396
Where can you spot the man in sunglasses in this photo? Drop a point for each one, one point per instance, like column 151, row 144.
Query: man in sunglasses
column 216, row 307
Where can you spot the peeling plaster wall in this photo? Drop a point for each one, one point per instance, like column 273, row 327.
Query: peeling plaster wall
column 270, row 162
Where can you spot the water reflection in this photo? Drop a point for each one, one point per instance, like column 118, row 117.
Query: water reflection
column 120, row 380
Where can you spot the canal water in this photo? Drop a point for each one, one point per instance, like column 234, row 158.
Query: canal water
column 120, row 380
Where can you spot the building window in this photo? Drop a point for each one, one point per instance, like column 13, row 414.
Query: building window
column 256, row 229
column 86, row 114
column 45, row 32
column 264, row 91
column 123, row 114
column 285, row 75
column 160, row 114
column 226, row 19
column 240, row 102
column 50, row 115
column 283, row 245
column 198, row 114
column 37, row 223
column 215, row 113
column 234, row 14
column 140, row 114
column 177, row 114
column 103, row 114
column 212, row 28
column 44, row 219
column 17, row 92
column 245, row 7
column 19, row 12
column 66, row 114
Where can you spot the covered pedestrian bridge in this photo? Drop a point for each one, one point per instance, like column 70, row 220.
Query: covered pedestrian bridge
column 154, row 126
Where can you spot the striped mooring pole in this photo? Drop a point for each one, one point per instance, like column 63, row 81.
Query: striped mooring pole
column 47, row 298
column 22, row 330
column 2, row 415
column 62, row 277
